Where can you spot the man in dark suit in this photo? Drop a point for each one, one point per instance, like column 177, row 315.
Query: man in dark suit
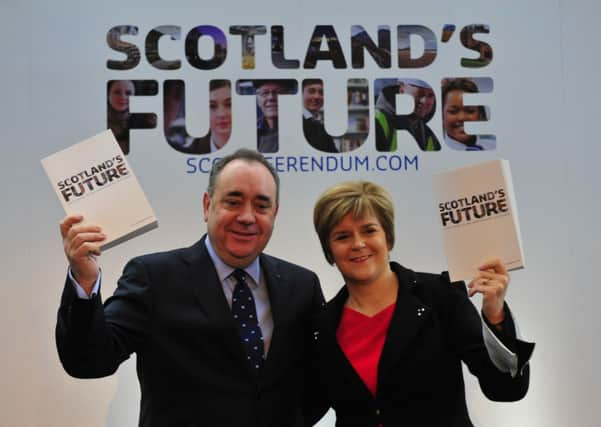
column 313, row 128
column 388, row 121
column 198, row 362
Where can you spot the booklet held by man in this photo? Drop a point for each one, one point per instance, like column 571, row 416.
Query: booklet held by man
column 478, row 217
column 93, row 178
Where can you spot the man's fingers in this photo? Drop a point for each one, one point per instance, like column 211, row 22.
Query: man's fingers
column 81, row 229
column 67, row 223
column 71, row 225
column 495, row 265
column 85, row 249
column 80, row 239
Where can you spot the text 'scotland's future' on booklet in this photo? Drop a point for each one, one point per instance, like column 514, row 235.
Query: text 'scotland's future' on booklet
column 94, row 179
column 478, row 216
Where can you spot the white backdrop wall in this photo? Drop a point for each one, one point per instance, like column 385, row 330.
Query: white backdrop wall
column 545, row 115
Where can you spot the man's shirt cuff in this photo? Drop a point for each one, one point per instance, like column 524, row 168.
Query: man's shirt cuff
column 81, row 294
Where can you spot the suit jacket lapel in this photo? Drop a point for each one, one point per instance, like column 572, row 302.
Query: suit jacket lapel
column 278, row 285
column 409, row 316
column 202, row 278
column 330, row 319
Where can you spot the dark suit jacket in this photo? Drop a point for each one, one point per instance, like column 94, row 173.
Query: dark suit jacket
column 169, row 308
column 316, row 135
column 420, row 382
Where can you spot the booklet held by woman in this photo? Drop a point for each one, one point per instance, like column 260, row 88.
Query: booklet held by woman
column 93, row 178
column 478, row 216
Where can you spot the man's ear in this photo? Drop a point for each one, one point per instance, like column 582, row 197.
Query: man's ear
column 206, row 203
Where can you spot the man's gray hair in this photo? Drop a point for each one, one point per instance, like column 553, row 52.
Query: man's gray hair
column 248, row 156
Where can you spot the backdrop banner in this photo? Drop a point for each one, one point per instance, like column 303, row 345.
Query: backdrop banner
column 392, row 92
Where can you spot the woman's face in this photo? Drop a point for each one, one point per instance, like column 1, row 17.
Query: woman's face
column 455, row 114
column 220, row 105
column 360, row 249
column 119, row 94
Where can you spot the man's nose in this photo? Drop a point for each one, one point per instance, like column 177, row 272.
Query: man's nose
column 221, row 111
column 246, row 214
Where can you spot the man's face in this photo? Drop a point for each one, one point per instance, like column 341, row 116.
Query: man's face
column 241, row 213
column 267, row 99
column 313, row 97
column 424, row 99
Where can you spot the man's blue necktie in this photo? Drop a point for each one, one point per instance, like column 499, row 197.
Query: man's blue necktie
column 245, row 315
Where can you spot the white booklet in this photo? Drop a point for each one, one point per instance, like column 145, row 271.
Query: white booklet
column 93, row 178
column 478, row 217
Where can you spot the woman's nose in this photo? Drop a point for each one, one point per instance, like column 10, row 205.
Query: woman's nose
column 358, row 242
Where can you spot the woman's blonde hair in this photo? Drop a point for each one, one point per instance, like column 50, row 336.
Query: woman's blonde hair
column 359, row 198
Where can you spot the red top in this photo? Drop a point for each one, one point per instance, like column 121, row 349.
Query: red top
column 362, row 339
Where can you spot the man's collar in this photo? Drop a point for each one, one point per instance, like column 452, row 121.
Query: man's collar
column 224, row 270
column 307, row 114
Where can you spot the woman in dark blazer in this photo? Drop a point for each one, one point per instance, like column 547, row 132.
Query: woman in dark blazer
column 389, row 346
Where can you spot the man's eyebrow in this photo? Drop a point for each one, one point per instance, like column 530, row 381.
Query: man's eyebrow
column 264, row 198
column 235, row 193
